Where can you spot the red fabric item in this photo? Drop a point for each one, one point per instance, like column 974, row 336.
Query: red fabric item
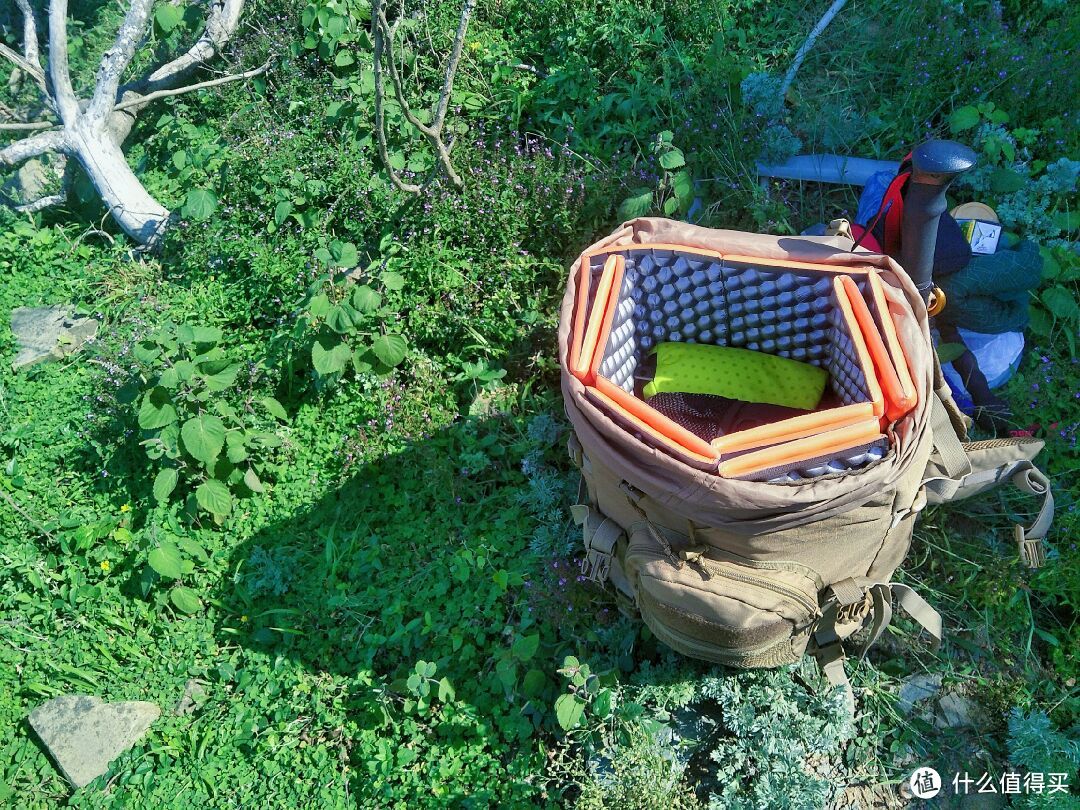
column 867, row 241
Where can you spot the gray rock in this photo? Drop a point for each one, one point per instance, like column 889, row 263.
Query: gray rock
column 956, row 711
column 48, row 333
column 194, row 696
column 915, row 689
column 84, row 734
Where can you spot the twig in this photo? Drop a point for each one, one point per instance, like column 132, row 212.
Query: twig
column 23, row 64
column 28, row 126
column 232, row 77
column 823, row 23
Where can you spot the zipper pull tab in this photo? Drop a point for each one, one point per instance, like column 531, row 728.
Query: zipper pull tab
column 695, row 556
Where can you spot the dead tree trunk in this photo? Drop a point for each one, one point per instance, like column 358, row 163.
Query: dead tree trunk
column 92, row 130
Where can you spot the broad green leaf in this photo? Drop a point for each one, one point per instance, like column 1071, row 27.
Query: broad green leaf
column 602, row 706
column 165, row 483
column 362, row 361
column 393, row 281
column 281, row 212
column 506, row 670
column 346, row 255
column 390, row 349
column 185, row 599
column 274, row 408
column 1061, row 303
column 337, row 26
column 200, row 203
column 638, row 204
column 963, row 118
column 1006, row 181
column 525, row 647
column 568, row 711
column 319, row 305
column 252, row 482
column 205, row 334
column 446, row 690
column 344, row 58
column 671, row 205
column 166, row 561
column 146, row 352
column 332, row 360
column 339, row 319
column 533, row 683
column 157, row 410
column 214, row 497
column 220, row 380
column 947, row 352
column 366, row 299
column 683, row 186
column 168, row 17
column 203, row 437
column 672, row 159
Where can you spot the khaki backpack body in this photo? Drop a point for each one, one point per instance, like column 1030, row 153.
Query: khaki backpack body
column 756, row 574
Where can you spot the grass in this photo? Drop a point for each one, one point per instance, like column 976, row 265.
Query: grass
column 386, row 624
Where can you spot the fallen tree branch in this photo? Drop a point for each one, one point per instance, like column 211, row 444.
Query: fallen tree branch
column 22, row 64
column 800, row 56
column 26, row 126
column 154, row 96
column 67, row 105
column 34, row 146
column 116, row 59
column 93, row 130
column 221, row 23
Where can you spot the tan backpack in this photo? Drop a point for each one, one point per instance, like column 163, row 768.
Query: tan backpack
column 755, row 574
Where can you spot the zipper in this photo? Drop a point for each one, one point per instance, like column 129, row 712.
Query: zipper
column 791, row 593
column 709, row 567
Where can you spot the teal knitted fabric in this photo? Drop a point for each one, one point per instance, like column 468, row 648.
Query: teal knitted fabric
column 990, row 295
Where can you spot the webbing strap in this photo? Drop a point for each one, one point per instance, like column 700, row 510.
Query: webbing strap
column 946, row 442
column 918, row 609
column 1028, row 478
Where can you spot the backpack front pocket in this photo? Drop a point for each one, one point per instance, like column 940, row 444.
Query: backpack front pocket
column 705, row 604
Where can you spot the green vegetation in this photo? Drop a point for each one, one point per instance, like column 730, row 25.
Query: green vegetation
column 316, row 461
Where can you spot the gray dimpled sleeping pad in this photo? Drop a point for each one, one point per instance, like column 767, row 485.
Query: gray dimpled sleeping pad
column 677, row 296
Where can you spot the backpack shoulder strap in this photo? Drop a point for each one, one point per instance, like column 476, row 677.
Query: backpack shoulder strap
column 958, row 470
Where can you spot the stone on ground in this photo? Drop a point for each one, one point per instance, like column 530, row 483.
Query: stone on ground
column 84, row 734
column 48, row 333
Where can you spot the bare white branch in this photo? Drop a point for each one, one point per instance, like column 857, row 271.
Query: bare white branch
column 221, row 24
column 26, row 126
column 59, row 198
column 116, row 59
column 24, row 65
column 59, row 73
column 33, row 146
column 378, row 20
column 139, row 101
column 30, row 40
column 452, row 65
column 823, row 23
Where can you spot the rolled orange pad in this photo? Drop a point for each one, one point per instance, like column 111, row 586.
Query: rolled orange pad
column 659, row 426
column 603, row 311
column 897, row 401
column 823, row 444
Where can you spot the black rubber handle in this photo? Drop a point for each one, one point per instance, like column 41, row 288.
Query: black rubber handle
column 934, row 165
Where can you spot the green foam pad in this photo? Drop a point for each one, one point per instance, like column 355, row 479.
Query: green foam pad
column 699, row 368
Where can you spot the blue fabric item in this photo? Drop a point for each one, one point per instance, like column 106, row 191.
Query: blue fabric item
column 872, row 194
column 998, row 357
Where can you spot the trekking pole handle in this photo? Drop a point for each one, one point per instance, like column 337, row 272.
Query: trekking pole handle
column 934, row 165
